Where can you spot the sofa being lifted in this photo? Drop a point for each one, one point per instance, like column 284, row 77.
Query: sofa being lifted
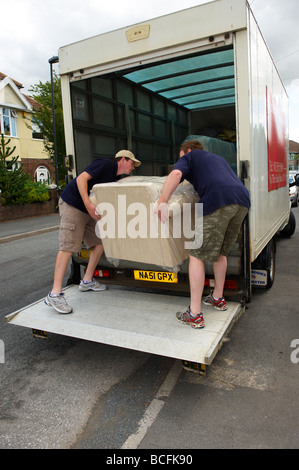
column 130, row 230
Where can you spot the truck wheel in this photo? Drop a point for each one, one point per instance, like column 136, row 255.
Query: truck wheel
column 269, row 257
column 290, row 228
column 266, row 261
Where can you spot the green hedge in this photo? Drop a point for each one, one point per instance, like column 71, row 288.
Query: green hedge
column 35, row 192
column 15, row 185
column 29, row 193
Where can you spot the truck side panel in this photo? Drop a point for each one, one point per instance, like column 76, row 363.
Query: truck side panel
column 268, row 143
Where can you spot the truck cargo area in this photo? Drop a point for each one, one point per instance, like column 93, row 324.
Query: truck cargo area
column 134, row 320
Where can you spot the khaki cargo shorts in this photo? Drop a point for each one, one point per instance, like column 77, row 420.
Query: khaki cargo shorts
column 220, row 231
column 76, row 226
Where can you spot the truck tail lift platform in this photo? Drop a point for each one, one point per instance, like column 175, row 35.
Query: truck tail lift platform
column 135, row 320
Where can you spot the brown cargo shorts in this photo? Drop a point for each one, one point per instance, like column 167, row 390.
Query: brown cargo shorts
column 220, row 232
column 76, row 227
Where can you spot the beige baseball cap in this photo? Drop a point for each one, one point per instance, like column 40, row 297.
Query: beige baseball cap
column 128, row 154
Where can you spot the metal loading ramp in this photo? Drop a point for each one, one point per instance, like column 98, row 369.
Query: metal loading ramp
column 133, row 320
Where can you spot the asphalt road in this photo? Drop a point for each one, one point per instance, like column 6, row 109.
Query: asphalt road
column 51, row 391
column 65, row 393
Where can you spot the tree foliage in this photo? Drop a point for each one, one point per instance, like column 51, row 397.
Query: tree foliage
column 43, row 117
column 12, row 179
column 16, row 185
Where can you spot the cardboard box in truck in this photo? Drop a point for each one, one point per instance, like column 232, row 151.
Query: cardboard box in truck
column 147, row 87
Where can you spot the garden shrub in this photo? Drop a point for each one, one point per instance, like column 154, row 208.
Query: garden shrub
column 15, row 185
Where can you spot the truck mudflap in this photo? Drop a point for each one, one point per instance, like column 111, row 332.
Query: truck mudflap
column 134, row 320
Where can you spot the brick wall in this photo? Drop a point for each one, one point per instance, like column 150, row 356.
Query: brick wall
column 29, row 210
column 30, row 165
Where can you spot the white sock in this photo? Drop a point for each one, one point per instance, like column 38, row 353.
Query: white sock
column 193, row 316
column 55, row 295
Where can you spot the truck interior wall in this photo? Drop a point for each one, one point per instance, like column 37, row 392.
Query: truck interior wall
column 110, row 114
column 152, row 127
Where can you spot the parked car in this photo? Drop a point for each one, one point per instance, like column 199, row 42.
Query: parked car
column 293, row 189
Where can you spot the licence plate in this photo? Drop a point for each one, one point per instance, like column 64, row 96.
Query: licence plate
column 155, row 276
column 83, row 254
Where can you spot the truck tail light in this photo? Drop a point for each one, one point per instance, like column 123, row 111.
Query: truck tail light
column 101, row 273
column 229, row 283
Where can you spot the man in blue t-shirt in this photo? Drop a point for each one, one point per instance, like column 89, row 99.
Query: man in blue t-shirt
column 225, row 203
column 78, row 222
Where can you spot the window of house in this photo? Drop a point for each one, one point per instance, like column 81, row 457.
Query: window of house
column 12, row 167
column 36, row 132
column 8, row 122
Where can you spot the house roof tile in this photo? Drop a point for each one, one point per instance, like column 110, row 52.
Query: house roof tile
column 293, row 147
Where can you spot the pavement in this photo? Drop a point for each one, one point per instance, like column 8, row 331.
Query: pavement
column 20, row 228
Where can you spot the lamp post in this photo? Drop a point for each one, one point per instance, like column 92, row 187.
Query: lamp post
column 52, row 61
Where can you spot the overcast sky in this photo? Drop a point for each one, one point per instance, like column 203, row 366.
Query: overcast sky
column 33, row 30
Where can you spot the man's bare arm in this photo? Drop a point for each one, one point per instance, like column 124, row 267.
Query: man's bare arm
column 171, row 183
column 82, row 181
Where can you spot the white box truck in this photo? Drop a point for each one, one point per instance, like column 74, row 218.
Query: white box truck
column 204, row 72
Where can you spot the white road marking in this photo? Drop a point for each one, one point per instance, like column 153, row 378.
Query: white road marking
column 155, row 407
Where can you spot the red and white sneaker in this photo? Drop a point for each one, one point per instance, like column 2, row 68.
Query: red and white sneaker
column 219, row 304
column 186, row 319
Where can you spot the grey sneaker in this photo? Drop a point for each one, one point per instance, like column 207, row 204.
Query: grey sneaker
column 59, row 303
column 92, row 285
column 186, row 319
